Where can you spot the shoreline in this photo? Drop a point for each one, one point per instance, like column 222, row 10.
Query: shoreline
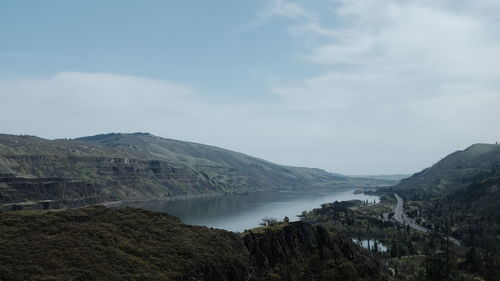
column 117, row 203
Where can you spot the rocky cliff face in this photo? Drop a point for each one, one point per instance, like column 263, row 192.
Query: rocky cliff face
column 47, row 193
column 300, row 251
column 56, row 181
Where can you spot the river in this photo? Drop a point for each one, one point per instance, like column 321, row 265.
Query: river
column 237, row 212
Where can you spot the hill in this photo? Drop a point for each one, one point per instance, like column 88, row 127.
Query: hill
column 452, row 173
column 476, row 211
column 40, row 173
column 98, row 243
column 459, row 197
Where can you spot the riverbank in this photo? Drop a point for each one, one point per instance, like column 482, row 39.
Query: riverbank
column 240, row 211
column 118, row 203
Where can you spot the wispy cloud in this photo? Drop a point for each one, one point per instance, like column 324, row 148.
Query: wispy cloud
column 396, row 52
column 397, row 84
column 279, row 8
column 420, row 68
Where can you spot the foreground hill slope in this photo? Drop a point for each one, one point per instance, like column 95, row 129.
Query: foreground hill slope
column 476, row 210
column 98, row 243
column 40, row 173
column 458, row 197
column 452, row 173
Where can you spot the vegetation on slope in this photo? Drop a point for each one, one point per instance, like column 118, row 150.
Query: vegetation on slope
column 454, row 172
column 472, row 216
column 299, row 251
column 228, row 168
column 98, row 243
column 458, row 197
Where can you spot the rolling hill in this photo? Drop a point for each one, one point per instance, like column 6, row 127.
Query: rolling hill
column 453, row 173
column 41, row 173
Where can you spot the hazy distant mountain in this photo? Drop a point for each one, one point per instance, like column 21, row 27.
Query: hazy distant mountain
column 454, row 172
column 36, row 172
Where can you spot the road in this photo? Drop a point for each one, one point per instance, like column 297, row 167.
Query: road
column 400, row 217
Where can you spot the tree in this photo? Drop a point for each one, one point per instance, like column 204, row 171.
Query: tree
column 473, row 260
column 441, row 265
column 375, row 246
column 492, row 267
column 286, row 220
column 411, row 248
column 267, row 221
column 394, row 249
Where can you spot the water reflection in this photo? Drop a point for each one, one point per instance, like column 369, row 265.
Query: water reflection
column 237, row 212
column 370, row 244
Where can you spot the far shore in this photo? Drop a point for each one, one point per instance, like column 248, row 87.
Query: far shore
column 117, row 203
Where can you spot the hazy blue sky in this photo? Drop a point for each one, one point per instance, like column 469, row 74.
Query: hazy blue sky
column 350, row 86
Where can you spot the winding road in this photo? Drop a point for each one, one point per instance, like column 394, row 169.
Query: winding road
column 400, row 217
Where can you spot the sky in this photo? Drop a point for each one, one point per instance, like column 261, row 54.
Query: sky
column 350, row 86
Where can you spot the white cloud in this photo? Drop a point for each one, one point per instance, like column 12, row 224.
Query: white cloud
column 460, row 107
column 353, row 137
column 414, row 72
column 279, row 8
column 75, row 93
column 284, row 8
column 73, row 104
column 399, row 84
column 424, row 39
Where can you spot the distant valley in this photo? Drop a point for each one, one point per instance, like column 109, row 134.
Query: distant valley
column 36, row 173
column 453, row 208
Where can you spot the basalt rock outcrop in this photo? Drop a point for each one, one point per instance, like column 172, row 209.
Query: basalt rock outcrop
column 300, row 251
column 47, row 193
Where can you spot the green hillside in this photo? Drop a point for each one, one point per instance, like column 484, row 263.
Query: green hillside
column 452, row 173
column 459, row 197
column 39, row 173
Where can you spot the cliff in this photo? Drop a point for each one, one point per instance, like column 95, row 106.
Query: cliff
column 300, row 251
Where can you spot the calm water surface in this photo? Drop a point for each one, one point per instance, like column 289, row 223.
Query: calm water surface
column 237, row 212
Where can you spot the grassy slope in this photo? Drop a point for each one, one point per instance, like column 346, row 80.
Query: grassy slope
column 477, row 207
column 228, row 165
column 452, row 173
column 98, row 243
column 12, row 147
